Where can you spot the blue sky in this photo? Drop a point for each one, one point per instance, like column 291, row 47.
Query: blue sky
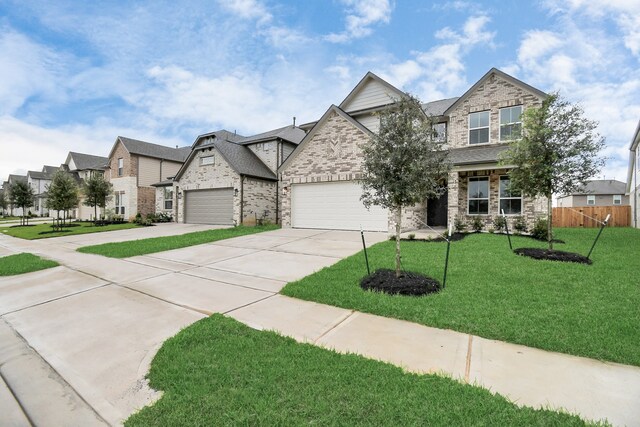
column 76, row 74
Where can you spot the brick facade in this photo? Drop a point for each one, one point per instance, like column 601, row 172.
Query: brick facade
column 259, row 198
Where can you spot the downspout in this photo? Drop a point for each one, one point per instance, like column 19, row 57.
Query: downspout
column 241, row 199
column 278, row 157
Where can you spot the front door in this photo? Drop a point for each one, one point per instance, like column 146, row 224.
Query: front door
column 437, row 211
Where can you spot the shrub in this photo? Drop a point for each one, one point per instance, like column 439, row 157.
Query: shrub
column 458, row 224
column 520, row 224
column 477, row 224
column 411, row 236
column 499, row 223
column 540, row 231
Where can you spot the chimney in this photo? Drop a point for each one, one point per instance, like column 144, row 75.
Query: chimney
column 294, row 121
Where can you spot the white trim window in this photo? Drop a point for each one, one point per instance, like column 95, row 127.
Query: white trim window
column 617, row 199
column 119, row 195
column 479, row 128
column 510, row 199
column 478, row 195
column 439, row 132
column 591, row 200
column 510, row 123
column 120, row 166
column 168, row 198
column 206, row 160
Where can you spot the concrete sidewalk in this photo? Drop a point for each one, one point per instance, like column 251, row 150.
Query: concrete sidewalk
column 97, row 322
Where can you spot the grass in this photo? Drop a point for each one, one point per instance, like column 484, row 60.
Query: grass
column 43, row 231
column 161, row 244
column 23, row 263
column 10, row 218
column 220, row 372
column 584, row 310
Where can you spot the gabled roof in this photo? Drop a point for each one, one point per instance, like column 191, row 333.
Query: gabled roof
column 17, row 178
column 289, row 133
column 333, row 109
column 602, row 186
column 370, row 76
column 437, row 108
column 540, row 94
column 148, row 149
column 36, row 175
column 88, row 161
column 50, row 170
column 476, row 155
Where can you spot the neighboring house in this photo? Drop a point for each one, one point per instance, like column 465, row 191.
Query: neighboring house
column 230, row 179
column 597, row 192
column 13, row 210
column 133, row 167
column 83, row 166
column 39, row 181
column 633, row 178
column 319, row 181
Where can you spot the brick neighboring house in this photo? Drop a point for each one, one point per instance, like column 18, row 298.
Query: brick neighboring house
column 319, row 181
column 133, row 167
column 39, row 181
column 597, row 192
column 229, row 179
column 633, row 180
column 82, row 166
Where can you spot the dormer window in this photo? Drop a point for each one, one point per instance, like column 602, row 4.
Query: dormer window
column 479, row 128
column 510, row 123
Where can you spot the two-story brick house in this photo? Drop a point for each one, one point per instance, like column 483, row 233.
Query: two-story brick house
column 319, row 181
column 133, row 167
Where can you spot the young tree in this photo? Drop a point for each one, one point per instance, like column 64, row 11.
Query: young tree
column 404, row 163
column 22, row 195
column 97, row 192
column 3, row 202
column 556, row 153
column 62, row 193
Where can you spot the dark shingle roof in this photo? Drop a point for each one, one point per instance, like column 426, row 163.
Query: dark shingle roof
column 473, row 155
column 88, row 161
column 157, row 151
column 17, row 178
column 37, row 175
column 243, row 160
column 603, row 186
column 288, row 133
column 437, row 108
column 50, row 170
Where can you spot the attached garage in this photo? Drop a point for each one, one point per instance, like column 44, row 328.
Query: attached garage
column 334, row 206
column 213, row 206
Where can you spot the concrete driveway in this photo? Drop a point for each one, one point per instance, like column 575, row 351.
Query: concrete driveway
column 76, row 341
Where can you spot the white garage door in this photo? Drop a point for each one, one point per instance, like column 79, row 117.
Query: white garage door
column 335, row 206
column 213, row 206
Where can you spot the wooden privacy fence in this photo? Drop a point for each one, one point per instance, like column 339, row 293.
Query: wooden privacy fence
column 585, row 216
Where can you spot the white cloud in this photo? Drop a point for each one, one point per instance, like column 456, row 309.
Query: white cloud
column 247, row 9
column 361, row 16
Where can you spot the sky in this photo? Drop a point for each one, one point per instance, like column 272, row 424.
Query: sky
column 74, row 75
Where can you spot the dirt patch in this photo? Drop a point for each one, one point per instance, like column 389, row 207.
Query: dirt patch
column 553, row 255
column 384, row 280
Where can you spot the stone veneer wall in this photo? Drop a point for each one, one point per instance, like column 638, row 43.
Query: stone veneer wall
column 217, row 175
column 458, row 182
column 129, row 185
column 494, row 94
column 334, row 154
column 259, row 198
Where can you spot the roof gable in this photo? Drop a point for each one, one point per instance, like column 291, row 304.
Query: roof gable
column 371, row 91
column 148, row 149
column 333, row 109
column 494, row 71
column 83, row 161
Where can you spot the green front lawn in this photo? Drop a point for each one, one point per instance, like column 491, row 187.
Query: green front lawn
column 220, row 372
column 23, row 263
column 44, row 230
column 161, row 244
column 585, row 310
column 10, row 218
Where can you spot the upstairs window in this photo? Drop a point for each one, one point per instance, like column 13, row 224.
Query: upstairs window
column 478, row 196
column 510, row 199
column 206, row 160
column 591, row 200
column 617, row 199
column 479, row 128
column 510, row 123
column 120, row 166
column 440, row 132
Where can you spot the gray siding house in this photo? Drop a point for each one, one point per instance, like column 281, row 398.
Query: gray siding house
column 633, row 178
column 600, row 192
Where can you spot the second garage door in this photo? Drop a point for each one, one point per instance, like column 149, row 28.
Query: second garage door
column 335, row 206
column 213, row 206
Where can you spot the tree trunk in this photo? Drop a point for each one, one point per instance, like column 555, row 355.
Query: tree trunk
column 398, row 220
column 95, row 214
column 549, row 221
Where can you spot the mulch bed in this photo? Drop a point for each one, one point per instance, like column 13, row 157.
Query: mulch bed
column 454, row 238
column 384, row 280
column 552, row 255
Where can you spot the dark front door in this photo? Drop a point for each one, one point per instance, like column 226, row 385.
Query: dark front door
column 437, row 211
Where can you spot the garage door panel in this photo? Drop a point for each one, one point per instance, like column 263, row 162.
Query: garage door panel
column 334, row 205
column 213, row 206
